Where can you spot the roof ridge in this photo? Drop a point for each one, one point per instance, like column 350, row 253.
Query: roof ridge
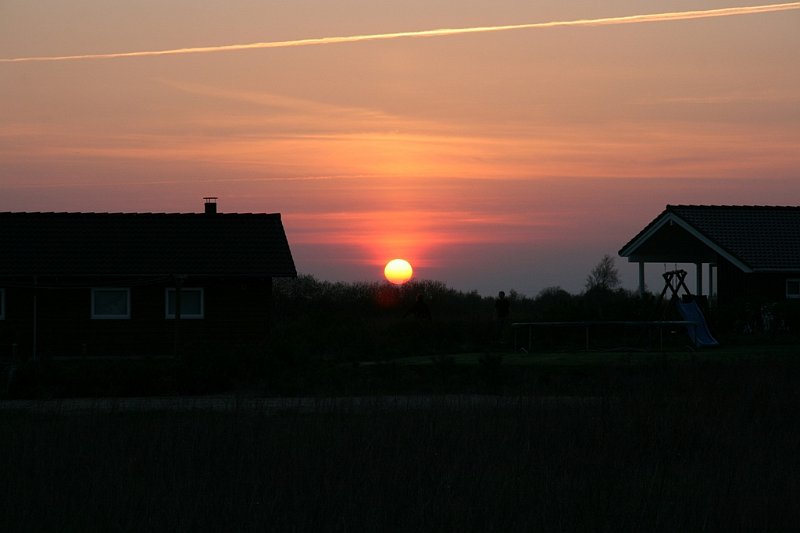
column 731, row 206
column 144, row 244
column 128, row 213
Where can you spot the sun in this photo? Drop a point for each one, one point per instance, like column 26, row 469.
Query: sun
column 398, row 271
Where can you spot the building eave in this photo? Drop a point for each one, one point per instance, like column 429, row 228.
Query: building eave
column 668, row 217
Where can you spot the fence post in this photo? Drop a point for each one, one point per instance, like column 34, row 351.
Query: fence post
column 587, row 337
column 530, row 338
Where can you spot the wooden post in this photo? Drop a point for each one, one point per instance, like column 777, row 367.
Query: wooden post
column 710, row 281
column 641, row 279
column 177, row 330
column 269, row 305
column 587, row 337
column 34, row 340
column 530, row 339
column 699, row 288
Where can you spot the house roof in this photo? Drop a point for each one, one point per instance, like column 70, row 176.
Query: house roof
column 754, row 238
column 144, row 244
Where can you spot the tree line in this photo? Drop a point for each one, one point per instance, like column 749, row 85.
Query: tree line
column 370, row 320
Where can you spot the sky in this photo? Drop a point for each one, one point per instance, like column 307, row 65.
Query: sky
column 512, row 153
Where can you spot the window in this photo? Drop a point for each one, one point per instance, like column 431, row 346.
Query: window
column 111, row 303
column 191, row 303
column 2, row 304
column 793, row 288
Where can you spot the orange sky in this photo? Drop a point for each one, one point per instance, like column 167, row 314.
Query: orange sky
column 509, row 159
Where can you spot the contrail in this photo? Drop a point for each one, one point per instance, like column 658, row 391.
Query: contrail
column 632, row 19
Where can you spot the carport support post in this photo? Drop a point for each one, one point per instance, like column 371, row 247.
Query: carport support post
column 710, row 281
column 641, row 279
column 699, row 289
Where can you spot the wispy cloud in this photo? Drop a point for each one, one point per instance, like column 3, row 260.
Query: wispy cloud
column 444, row 32
column 734, row 97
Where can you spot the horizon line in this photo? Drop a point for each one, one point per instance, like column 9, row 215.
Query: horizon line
column 443, row 32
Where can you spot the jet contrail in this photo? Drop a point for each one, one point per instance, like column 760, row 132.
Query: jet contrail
column 632, row 19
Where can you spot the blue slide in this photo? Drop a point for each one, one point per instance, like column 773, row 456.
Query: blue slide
column 699, row 333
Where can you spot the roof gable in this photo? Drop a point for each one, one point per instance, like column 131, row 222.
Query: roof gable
column 754, row 238
column 144, row 244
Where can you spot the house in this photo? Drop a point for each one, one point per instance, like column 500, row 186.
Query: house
column 751, row 254
column 137, row 284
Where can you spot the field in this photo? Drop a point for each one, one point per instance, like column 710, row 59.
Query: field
column 355, row 418
column 601, row 442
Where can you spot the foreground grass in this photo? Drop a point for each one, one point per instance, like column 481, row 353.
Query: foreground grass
column 488, row 372
column 618, row 463
column 783, row 354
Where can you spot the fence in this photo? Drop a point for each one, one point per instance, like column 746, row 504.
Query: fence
column 588, row 325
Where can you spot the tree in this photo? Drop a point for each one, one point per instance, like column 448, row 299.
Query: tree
column 604, row 276
column 554, row 303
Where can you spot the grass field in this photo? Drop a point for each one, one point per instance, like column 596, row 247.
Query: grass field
column 685, row 445
column 495, row 372
column 578, row 358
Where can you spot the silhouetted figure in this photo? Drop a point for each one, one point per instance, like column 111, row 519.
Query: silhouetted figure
column 420, row 309
column 502, row 308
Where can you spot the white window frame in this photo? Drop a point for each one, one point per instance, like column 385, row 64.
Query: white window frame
column 793, row 295
column 184, row 314
column 2, row 304
column 124, row 316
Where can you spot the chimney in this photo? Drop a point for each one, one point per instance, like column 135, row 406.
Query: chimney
column 211, row 205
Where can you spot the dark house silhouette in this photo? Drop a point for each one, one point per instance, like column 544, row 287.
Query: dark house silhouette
column 751, row 253
column 137, row 284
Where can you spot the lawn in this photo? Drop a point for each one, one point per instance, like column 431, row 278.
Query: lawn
column 578, row 358
column 622, row 463
column 581, row 441
column 494, row 372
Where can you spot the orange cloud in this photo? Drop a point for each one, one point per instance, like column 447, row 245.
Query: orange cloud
column 415, row 235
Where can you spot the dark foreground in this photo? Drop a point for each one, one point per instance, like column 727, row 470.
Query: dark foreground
column 720, row 457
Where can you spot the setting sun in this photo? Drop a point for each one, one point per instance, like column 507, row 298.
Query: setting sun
column 398, row 271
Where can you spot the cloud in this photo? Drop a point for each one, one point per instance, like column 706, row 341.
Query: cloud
column 732, row 97
column 444, row 32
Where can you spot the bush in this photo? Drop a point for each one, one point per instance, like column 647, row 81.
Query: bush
column 320, row 320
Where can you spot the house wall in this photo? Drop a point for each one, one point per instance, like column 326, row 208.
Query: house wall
column 736, row 287
column 236, row 315
column 15, row 327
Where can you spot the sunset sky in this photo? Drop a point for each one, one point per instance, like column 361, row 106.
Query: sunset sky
column 506, row 159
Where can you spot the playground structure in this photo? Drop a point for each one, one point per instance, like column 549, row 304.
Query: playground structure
column 685, row 304
column 687, row 307
column 590, row 327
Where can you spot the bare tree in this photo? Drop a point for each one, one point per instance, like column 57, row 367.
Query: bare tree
column 604, row 276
